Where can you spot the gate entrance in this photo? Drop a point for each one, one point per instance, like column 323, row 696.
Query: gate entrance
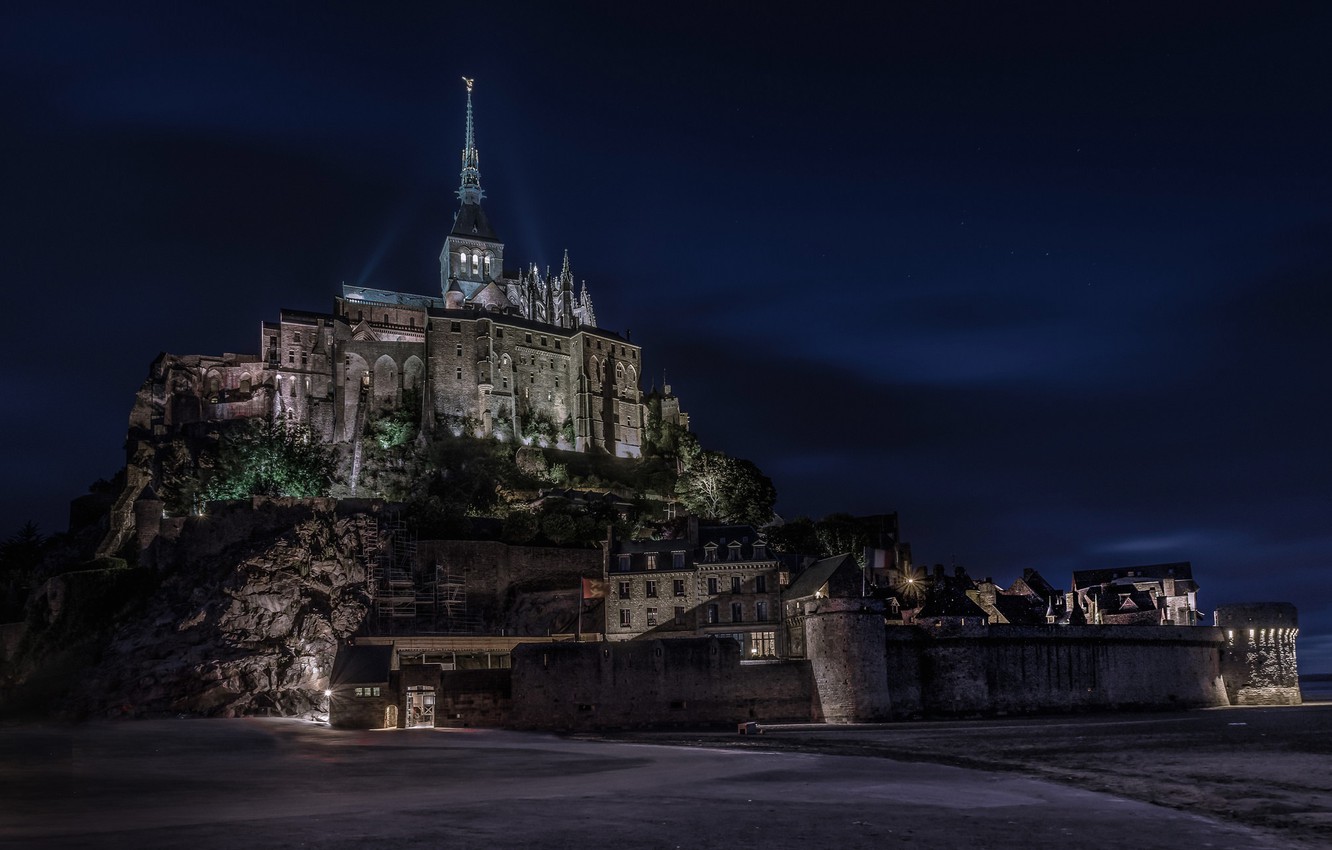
column 390, row 717
column 420, row 705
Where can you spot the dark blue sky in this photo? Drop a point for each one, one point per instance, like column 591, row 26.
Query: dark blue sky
column 1052, row 283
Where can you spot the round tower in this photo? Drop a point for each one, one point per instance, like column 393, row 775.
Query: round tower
column 1258, row 663
column 844, row 641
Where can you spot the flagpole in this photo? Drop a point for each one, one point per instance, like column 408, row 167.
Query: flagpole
column 578, row 629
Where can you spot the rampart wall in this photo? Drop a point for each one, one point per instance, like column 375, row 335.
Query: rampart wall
column 689, row 681
column 949, row 670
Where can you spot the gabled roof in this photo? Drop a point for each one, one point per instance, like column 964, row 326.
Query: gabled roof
column 824, row 572
column 358, row 665
column 472, row 223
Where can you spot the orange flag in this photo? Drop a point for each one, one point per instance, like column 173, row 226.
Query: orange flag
column 594, row 588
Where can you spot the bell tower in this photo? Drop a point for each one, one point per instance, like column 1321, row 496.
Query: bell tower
column 473, row 254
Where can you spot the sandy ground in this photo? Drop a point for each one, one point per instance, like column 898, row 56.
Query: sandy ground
column 285, row 784
column 1269, row 768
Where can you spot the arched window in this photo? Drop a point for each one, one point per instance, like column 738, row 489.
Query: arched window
column 476, row 263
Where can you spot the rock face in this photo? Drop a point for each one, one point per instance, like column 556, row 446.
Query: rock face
column 251, row 629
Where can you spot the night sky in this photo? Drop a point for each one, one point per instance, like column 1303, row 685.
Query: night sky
column 1050, row 282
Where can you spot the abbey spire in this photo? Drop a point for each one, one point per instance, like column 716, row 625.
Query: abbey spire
column 469, row 189
column 473, row 254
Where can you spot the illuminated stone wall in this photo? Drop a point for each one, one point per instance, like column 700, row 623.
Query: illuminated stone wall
column 687, row 682
column 1259, row 657
column 954, row 670
column 844, row 643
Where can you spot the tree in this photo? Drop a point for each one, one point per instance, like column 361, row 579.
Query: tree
column 717, row 486
column 271, row 458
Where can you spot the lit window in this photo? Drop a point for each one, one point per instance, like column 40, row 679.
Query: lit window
column 651, row 560
column 487, row 264
column 476, row 264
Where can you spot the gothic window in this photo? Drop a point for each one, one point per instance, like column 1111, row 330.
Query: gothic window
column 487, row 264
column 476, row 263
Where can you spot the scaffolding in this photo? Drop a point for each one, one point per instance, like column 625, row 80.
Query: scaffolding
column 442, row 603
column 392, row 588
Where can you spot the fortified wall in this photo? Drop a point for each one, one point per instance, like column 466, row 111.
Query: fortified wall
column 1258, row 661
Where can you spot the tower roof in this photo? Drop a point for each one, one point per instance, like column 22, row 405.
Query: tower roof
column 469, row 188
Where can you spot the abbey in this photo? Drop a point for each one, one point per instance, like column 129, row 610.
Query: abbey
column 494, row 353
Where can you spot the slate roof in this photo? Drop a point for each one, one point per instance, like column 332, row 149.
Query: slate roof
column 823, row 572
column 472, row 223
column 358, row 665
column 1181, row 570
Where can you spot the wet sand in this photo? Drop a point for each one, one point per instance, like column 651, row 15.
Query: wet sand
column 211, row 784
column 1269, row 768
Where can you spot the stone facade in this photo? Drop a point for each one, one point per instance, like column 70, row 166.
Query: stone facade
column 716, row 580
column 494, row 353
column 1259, row 656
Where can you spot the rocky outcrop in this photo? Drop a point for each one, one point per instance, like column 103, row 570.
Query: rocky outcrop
column 250, row 629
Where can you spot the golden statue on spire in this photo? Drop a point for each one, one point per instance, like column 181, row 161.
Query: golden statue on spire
column 469, row 84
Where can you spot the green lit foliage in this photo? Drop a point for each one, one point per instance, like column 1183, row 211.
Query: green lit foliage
column 720, row 487
column 539, row 429
column 271, row 458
